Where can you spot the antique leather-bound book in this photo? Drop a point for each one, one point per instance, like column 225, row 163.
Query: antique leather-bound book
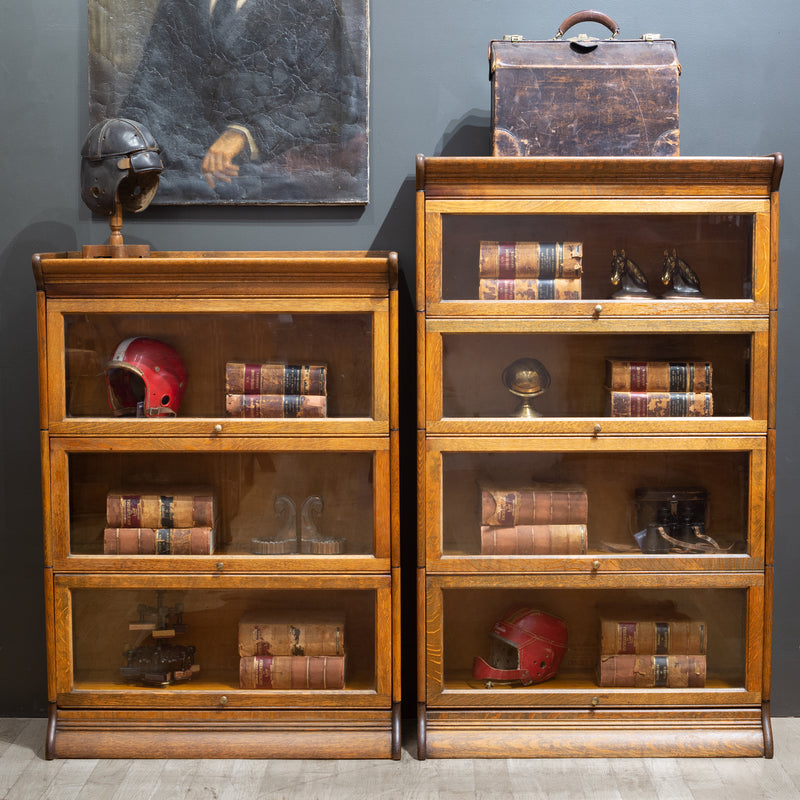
column 534, row 504
column 291, row 633
column 530, row 260
column 291, row 672
column 198, row 541
column 276, row 405
column 648, row 671
column 627, row 635
column 660, row 404
column 658, row 376
column 533, row 540
column 529, row 289
column 300, row 379
column 185, row 508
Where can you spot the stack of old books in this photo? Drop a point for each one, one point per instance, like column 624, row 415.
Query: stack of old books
column 179, row 523
column 291, row 650
column 275, row 390
column 659, row 388
column 646, row 650
column 530, row 270
column 536, row 519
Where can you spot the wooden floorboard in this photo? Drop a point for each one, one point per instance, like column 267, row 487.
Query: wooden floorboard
column 26, row 775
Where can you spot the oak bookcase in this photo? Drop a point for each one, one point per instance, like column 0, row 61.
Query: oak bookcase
column 338, row 309
column 721, row 216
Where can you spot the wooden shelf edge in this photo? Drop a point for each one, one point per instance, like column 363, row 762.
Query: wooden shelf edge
column 326, row 736
column 643, row 737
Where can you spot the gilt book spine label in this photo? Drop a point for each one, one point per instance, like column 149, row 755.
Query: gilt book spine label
column 159, row 510
column 276, row 405
column 533, row 540
column 532, row 505
column 548, row 260
column 653, row 671
column 661, row 404
column 291, row 672
column 291, row 634
column 658, row 376
column 158, row 541
column 652, row 637
column 293, row 379
column 529, row 289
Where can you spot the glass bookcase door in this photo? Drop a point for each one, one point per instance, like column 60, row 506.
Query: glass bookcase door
column 715, row 619
column 523, row 251
column 300, row 364
column 202, row 643
column 666, row 504
column 262, row 507
column 649, row 375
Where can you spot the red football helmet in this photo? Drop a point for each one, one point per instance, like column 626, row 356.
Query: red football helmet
column 145, row 378
column 526, row 646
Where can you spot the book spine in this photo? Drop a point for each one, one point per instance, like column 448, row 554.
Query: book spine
column 663, row 376
column 159, row 510
column 294, row 638
column 276, row 405
column 291, row 672
column 158, row 541
column 529, row 289
column 298, row 379
column 649, row 637
column 533, row 540
column 548, row 260
column 661, row 404
column 505, row 508
column 653, row 671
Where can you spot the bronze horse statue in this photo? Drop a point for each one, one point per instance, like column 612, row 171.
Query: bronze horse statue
column 626, row 274
column 684, row 281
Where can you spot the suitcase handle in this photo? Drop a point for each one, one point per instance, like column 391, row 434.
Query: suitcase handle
column 587, row 16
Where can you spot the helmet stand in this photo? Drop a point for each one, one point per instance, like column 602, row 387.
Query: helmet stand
column 115, row 247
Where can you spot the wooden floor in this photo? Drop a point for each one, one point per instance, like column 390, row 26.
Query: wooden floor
column 25, row 775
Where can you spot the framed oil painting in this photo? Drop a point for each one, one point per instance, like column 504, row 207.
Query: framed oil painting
column 251, row 101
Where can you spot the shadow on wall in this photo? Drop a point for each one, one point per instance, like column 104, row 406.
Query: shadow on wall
column 22, row 649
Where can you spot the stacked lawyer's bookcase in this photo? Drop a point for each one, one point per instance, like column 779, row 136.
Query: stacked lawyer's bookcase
column 111, row 696
column 720, row 215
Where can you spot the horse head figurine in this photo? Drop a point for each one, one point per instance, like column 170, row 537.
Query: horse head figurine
column 626, row 274
column 684, row 281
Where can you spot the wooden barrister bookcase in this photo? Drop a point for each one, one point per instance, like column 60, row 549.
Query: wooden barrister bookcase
column 720, row 216
column 109, row 695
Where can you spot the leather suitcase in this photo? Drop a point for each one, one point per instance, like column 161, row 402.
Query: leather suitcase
column 584, row 96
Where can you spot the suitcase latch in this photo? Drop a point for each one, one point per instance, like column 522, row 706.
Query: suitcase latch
column 513, row 37
column 651, row 37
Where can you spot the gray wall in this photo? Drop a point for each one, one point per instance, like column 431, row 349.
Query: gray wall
column 429, row 94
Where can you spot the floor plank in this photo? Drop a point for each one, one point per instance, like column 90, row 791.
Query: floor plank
column 26, row 775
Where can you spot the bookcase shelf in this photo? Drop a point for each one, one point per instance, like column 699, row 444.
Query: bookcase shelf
column 478, row 221
column 292, row 517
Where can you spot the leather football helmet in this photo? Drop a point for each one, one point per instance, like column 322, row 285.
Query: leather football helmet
column 119, row 158
column 526, row 646
column 145, row 378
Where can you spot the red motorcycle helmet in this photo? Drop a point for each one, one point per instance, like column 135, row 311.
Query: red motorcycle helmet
column 526, row 646
column 145, row 378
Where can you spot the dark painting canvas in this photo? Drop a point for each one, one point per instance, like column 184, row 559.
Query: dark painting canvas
column 251, row 101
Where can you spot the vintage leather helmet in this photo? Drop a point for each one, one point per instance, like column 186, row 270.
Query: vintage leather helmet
column 119, row 156
column 526, row 646
column 145, row 377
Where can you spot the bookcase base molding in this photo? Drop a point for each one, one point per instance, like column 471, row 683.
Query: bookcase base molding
column 597, row 733
column 224, row 734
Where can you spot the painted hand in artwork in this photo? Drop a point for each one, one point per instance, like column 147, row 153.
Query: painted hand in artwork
column 218, row 162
